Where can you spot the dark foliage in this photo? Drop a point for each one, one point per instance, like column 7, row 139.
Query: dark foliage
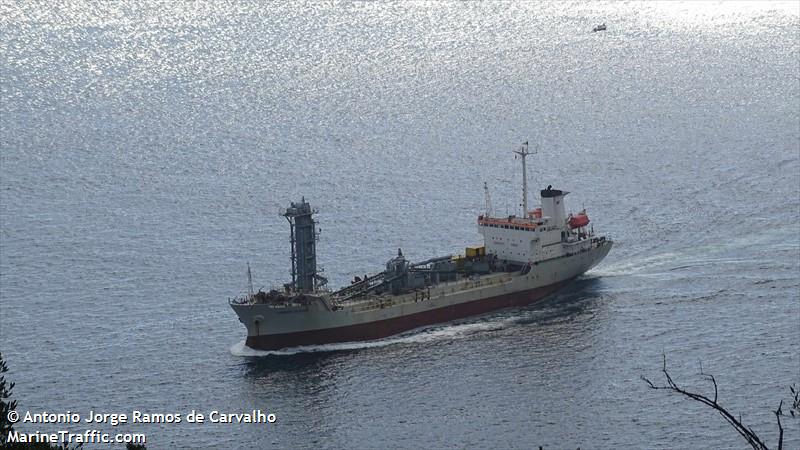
column 6, row 405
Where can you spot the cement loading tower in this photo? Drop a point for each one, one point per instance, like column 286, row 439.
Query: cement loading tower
column 305, row 276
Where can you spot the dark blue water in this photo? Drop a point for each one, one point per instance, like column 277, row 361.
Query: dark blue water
column 148, row 147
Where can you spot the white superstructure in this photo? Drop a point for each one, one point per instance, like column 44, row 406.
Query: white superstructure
column 542, row 233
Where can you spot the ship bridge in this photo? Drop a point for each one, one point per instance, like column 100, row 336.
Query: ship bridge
column 528, row 239
column 538, row 233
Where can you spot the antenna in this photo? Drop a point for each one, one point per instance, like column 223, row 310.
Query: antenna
column 249, row 280
column 523, row 152
column 488, row 200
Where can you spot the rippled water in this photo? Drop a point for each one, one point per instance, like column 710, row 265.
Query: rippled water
column 148, row 146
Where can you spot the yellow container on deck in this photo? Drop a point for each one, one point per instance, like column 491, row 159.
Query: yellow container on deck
column 472, row 252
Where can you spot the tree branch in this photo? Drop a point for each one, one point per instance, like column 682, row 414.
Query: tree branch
column 778, row 414
column 747, row 433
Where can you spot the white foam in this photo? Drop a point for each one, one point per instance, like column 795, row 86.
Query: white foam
column 635, row 265
column 454, row 331
column 656, row 264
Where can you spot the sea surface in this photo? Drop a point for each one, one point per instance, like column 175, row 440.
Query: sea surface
column 146, row 149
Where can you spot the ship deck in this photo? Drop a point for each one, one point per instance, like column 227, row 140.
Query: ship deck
column 380, row 301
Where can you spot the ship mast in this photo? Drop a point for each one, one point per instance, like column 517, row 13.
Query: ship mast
column 488, row 200
column 250, row 280
column 523, row 152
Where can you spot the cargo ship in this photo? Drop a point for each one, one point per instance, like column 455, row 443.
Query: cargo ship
column 523, row 259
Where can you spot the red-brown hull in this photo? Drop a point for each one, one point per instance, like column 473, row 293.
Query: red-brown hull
column 383, row 328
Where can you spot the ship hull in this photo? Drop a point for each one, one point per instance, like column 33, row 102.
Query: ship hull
column 383, row 328
column 317, row 322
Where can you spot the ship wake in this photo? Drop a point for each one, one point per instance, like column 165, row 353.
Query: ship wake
column 424, row 335
column 733, row 251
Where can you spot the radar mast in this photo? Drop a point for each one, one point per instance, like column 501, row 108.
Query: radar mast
column 488, row 200
column 523, row 153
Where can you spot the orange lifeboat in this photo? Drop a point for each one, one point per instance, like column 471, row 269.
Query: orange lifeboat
column 579, row 220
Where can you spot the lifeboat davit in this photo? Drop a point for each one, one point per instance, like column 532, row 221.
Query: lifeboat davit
column 579, row 220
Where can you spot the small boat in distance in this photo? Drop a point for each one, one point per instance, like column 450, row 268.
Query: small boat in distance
column 601, row 27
